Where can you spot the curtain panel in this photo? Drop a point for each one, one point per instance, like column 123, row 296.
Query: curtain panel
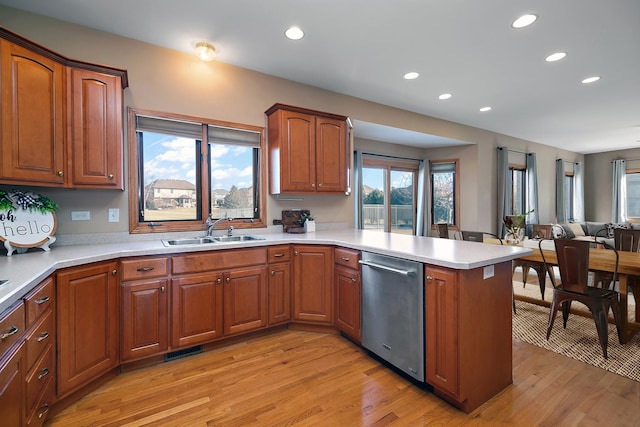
column 619, row 192
column 561, row 214
column 504, row 188
column 532, row 192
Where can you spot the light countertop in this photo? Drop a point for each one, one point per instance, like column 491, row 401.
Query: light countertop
column 25, row 271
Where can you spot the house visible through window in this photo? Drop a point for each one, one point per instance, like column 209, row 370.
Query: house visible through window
column 389, row 194
column 444, row 192
column 181, row 181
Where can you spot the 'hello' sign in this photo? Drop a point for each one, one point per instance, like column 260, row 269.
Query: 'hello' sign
column 22, row 228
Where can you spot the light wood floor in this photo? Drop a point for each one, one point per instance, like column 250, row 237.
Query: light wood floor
column 308, row 379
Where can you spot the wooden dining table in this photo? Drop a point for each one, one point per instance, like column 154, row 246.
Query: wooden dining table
column 604, row 260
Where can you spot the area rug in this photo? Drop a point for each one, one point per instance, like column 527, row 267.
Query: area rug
column 579, row 341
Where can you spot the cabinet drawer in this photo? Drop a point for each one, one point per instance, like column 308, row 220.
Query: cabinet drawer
column 347, row 257
column 11, row 326
column 39, row 338
column 280, row 253
column 218, row 260
column 143, row 268
column 39, row 300
column 39, row 413
column 39, row 377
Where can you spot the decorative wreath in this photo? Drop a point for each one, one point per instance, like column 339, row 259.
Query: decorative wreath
column 27, row 201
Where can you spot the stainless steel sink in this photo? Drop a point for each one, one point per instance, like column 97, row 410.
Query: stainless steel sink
column 241, row 238
column 190, row 241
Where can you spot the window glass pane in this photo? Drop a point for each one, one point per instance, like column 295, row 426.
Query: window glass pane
column 443, row 197
column 233, row 176
column 568, row 196
column 633, row 195
column 373, row 198
column 169, row 177
column 518, row 194
column 402, row 202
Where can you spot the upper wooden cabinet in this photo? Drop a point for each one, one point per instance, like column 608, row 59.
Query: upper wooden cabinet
column 61, row 119
column 308, row 151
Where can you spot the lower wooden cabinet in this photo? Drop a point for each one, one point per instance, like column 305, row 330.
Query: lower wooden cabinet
column 88, row 318
column 145, row 318
column 313, row 283
column 245, row 300
column 12, row 388
column 348, row 302
column 468, row 333
column 279, row 284
column 196, row 309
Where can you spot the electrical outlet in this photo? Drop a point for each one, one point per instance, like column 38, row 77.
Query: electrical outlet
column 488, row 272
column 114, row 215
column 80, row 216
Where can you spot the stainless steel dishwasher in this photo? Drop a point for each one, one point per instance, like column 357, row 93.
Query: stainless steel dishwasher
column 393, row 311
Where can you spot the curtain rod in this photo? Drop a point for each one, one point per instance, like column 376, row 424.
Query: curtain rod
column 627, row 160
column 568, row 161
column 512, row 150
column 391, row 157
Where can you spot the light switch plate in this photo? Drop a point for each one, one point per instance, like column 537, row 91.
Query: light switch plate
column 114, row 215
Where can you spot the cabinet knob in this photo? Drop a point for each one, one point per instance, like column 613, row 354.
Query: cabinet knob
column 353, row 280
column 313, row 185
column 60, row 173
column 228, row 279
column 295, row 252
column 114, row 272
column 429, row 278
column 110, row 176
column 219, row 280
column 320, row 185
column 273, row 273
column 162, row 289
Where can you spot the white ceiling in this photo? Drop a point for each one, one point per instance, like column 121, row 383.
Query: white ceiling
column 465, row 47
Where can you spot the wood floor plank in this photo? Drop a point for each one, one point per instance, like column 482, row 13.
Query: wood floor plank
column 295, row 378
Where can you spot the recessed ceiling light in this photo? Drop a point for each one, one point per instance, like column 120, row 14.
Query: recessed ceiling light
column 445, row 96
column 411, row 75
column 555, row 56
column 524, row 21
column 294, row 33
column 591, row 79
column 485, row 109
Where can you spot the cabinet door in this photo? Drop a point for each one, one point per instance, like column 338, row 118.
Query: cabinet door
column 95, row 115
column 87, row 324
column 12, row 389
column 348, row 301
column 298, row 162
column 145, row 327
column 331, row 155
column 312, row 283
column 279, row 290
column 32, row 99
column 196, row 309
column 441, row 308
column 245, row 300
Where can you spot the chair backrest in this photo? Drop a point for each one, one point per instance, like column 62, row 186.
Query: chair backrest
column 573, row 262
column 542, row 231
column 473, row 236
column 626, row 240
column 443, row 230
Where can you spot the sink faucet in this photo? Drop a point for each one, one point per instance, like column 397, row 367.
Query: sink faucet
column 211, row 224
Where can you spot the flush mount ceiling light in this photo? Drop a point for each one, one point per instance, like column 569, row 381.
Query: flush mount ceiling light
column 590, row 79
column 294, row 33
column 524, row 21
column 445, row 96
column 485, row 109
column 555, row 56
column 411, row 75
column 205, row 51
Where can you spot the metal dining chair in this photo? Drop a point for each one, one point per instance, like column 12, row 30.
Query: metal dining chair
column 443, row 230
column 573, row 262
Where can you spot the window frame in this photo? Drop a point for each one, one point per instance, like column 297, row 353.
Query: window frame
column 389, row 164
column 456, row 193
column 520, row 169
column 136, row 226
column 570, row 198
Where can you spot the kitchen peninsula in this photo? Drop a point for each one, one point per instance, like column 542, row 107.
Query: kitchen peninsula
column 467, row 299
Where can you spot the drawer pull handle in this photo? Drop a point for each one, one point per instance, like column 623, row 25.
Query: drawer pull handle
column 144, row 269
column 344, row 258
column 12, row 331
column 43, row 336
column 45, row 408
column 273, row 273
column 42, row 300
column 278, row 255
column 44, row 373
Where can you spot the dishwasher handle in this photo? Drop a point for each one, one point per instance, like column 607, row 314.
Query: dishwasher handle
column 407, row 273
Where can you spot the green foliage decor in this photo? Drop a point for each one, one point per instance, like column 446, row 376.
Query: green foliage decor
column 27, row 201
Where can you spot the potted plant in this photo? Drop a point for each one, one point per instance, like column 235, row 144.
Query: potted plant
column 308, row 222
column 515, row 226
